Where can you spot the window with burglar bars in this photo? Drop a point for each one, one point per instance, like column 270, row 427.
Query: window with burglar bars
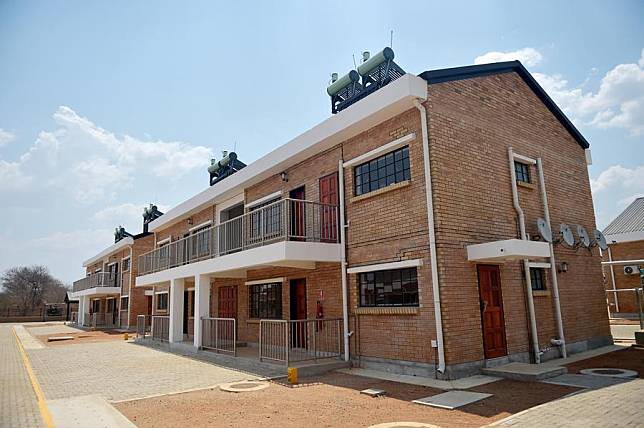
column 537, row 279
column 266, row 301
column 522, row 172
column 383, row 171
column 398, row 287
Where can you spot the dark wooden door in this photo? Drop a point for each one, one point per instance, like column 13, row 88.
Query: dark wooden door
column 149, row 301
column 227, row 302
column 329, row 215
column 298, row 312
column 492, row 319
column 186, row 310
column 298, row 214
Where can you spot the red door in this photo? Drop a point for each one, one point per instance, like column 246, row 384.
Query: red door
column 491, row 300
column 297, row 207
column 227, row 302
column 329, row 196
column 298, row 312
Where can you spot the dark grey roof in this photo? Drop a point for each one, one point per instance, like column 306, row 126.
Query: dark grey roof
column 470, row 71
column 630, row 220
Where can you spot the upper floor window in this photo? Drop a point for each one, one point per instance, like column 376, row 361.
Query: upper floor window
column 397, row 287
column 382, row 171
column 537, row 279
column 522, row 172
column 126, row 264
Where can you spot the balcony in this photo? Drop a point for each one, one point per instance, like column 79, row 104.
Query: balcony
column 285, row 220
column 100, row 279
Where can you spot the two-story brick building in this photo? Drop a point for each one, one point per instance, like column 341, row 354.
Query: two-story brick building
column 404, row 228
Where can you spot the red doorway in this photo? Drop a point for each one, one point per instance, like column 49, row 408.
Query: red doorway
column 227, row 302
column 492, row 317
column 297, row 290
column 329, row 196
column 297, row 223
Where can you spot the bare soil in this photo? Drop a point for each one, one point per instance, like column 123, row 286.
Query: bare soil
column 333, row 400
column 629, row 358
column 619, row 321
column 82, row 337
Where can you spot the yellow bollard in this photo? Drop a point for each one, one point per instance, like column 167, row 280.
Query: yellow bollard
column 125, row 336
column 292, row 375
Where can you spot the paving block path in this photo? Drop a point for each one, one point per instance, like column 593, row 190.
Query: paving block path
column 18, row 403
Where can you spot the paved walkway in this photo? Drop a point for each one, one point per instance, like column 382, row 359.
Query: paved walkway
column 18, row 403
column 618, row 405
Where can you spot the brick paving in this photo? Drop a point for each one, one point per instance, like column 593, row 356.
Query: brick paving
column 18, row 403
column 618, row 405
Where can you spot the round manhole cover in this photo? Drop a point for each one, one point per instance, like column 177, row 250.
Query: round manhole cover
column 244, row 386
column 404, row 425
column 609, row 372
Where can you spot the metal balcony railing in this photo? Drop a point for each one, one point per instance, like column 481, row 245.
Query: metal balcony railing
column 100, row 279
column 284, row 220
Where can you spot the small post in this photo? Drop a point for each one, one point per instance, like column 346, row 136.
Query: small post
column 638, row 293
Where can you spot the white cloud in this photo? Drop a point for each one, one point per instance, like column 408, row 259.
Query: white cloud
column 619, row 102
column 6, row 137
column 85, row 238
column 12, row 176
column 128, row 215
column 615, row 188
column 528, row 56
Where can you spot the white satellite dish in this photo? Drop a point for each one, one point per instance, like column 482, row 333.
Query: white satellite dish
column 566, row 234
column 600, row 240
column 544, row 230
column 584, row 239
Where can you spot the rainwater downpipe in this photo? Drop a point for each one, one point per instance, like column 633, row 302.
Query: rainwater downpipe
column 553, row 266
column 343, row 258
column 612, row 277
column 129, row 291
column 526, row 266
column 432, row 238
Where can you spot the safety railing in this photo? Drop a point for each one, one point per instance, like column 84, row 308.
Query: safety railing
column 73, row 318
column 287, row 219
column 143, row 326
column 100, row 279
column 219, row 334
column 104, row 320
column 627, row 300
column 160, row 328
column 290, row 341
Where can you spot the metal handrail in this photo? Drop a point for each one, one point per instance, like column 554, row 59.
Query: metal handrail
column 287, row 219
column 219, row 334
column 160, row 328
column 99, row 279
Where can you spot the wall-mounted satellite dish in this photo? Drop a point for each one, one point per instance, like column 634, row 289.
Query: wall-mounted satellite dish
column 600, row 240
column 584, row 239
column 566, row 234
column 544, row 230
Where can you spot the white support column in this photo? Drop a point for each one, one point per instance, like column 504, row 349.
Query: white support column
column 177, row 286
column 81, row 310
column 202, row 305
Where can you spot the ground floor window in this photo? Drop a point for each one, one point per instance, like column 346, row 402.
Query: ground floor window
column 266, row 301
column 124, row 303
column 397, row 287
column 96, row 306
column 162, row 301
column 537, row 279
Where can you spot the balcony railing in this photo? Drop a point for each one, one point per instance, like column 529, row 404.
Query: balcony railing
column 284, row 220
column 100, row 279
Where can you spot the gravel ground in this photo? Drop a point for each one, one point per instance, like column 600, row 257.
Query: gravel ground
column 333, row 400
column 629, row 358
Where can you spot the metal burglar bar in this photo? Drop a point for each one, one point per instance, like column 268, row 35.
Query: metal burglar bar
column 143, row 325
column 290, row 341
column 287, row 219
column 160, row 328
column 219, row 334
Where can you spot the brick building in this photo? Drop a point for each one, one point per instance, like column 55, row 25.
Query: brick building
column 440, row 268
column 625, row 256
column 107, row 296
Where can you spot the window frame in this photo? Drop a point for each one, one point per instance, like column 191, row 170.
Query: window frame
column 522, row 172
column 537, row 279
column 159, row 300
column 384, row 279
column 125, row 299
column 380, row 172
column 261, row 296
column 129, row 264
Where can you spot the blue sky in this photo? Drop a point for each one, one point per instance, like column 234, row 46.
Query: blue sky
column 91, row 91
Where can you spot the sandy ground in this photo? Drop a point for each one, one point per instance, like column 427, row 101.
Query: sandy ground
column 629, row 358
column 82, row 337
column 333, row 400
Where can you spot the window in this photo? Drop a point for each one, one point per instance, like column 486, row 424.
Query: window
column 522, row 172
column 537, row 279
column 382, row 172
column 125, row 301
column 398, row 287
column 126, row 264
column 96, row 306
column 266, row 301
column 162, row 301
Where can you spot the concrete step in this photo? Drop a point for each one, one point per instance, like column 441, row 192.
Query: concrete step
column 525, row 372
column 320, row 367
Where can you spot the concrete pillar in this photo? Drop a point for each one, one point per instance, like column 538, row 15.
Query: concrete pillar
column 81, row 310
column 202, row 305
column 177, row 285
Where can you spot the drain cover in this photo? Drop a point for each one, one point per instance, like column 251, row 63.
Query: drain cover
column 244, row 386
column 610, row 372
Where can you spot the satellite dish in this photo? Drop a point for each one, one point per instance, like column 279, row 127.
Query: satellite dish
column 584, row 239
column 600, row 240
column 544, row 230
column 566, row 235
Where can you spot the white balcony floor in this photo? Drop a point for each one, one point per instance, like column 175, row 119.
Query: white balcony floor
column 285, row 253
column 97, row 291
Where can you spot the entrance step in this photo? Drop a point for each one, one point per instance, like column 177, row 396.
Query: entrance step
column 320, row 367
column 525, row 372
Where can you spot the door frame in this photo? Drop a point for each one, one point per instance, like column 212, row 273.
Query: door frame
column 298, row 218
column 496, row 268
